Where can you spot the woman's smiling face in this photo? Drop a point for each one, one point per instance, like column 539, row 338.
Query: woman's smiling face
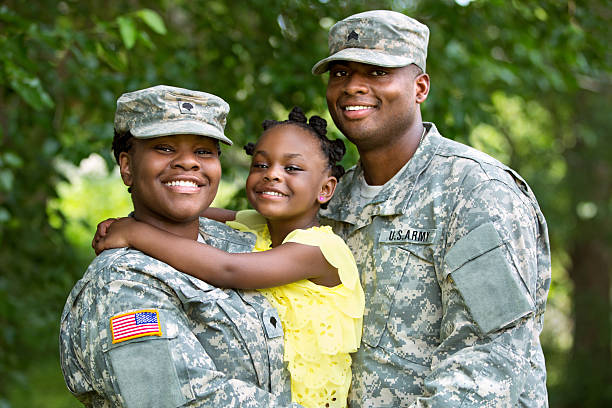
column 173, row 178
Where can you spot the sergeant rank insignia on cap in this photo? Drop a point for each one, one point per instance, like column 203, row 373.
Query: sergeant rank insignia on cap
column 135, row 324
column 353, row 36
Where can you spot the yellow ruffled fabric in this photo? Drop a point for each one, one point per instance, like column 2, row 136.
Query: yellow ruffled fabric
column 322, row 325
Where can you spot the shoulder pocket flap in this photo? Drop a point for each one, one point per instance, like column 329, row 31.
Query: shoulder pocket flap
column 475, row 243
column 491, row 292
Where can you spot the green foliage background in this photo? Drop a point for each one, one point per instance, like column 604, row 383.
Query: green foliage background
column 526, row 81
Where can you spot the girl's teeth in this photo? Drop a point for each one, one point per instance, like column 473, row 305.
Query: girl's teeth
column 274, row 193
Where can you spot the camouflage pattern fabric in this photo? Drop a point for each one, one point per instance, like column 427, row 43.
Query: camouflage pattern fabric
column 217, row 348
column 164, row 110
column 455, row 264
column 379, row 37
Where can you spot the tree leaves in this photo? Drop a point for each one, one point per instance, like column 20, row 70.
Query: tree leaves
column 117, row 60
column 153, row 20
column 127, row 28
column 27, row 86
column 526, row 81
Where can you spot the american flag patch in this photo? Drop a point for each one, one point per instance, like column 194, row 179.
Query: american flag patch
column 135, row 324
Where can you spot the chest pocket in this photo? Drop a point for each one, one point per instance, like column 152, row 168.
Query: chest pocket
column 404, row 312
column 222, row 314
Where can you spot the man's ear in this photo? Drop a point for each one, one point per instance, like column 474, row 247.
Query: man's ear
column 327, row 190
column 421, row 84
column 125, row 167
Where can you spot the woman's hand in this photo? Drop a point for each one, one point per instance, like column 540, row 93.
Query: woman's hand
column 113, row 233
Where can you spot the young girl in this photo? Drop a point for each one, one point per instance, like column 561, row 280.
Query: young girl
column 309, row 272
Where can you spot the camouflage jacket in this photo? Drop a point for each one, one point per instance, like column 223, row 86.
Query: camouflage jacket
column 200, row 347
column 455, row 265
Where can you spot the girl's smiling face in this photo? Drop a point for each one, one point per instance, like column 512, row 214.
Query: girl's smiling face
column 289, row 175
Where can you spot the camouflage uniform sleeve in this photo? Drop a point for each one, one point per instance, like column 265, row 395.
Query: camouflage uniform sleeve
column 491, row 323
column 169, row 369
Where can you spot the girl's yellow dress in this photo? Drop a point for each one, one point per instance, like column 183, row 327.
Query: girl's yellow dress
column 322, row 325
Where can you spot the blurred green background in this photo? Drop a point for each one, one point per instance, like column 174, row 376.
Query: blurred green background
column 527, row 81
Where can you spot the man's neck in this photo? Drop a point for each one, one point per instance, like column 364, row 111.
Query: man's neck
column 381, row 164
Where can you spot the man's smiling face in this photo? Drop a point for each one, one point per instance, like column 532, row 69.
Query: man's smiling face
column 371, row 105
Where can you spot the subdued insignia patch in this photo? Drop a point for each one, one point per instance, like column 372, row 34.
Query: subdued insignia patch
column 353, row 36
column 138, row 323
column 186, row 107
column 272, row 323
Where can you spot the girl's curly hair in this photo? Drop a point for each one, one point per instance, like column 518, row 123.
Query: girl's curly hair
column 333, row 150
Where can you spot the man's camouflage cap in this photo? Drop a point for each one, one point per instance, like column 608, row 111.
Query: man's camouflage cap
column 166, row 110
column 380, row 37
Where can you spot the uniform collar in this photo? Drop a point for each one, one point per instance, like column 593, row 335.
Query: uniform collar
column 392, row 199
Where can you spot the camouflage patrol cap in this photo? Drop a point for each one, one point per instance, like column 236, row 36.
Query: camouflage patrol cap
column 166, row 110
column 379, row 37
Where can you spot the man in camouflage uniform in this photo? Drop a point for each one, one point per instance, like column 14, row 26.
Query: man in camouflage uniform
column 137, row 333
column 451, row 244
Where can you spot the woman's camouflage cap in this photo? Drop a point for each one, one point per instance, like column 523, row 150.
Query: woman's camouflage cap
column 166, row 110
column 380, row 37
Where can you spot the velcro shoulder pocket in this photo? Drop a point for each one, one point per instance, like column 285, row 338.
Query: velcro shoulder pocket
column 492, row 292
column 146, row 374
column 145, row 371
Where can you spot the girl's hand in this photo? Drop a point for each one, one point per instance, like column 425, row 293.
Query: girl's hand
column 113, row 233
column 101, row 231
